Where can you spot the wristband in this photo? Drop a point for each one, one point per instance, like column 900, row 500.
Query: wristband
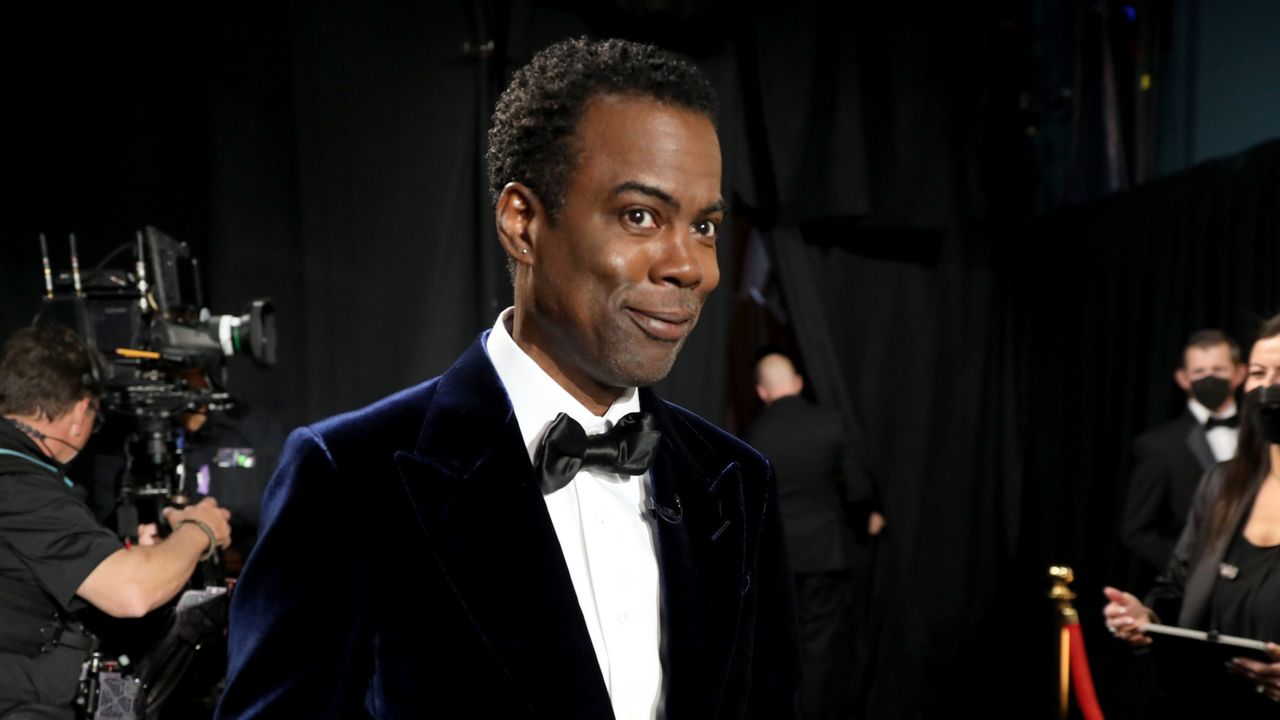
column 213, row 539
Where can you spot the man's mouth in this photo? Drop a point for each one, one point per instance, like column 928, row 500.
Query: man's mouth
column 666, row 325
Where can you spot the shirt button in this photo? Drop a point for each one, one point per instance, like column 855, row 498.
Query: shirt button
column 623, row 618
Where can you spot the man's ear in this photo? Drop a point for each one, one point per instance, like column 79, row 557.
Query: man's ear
column 762, row 393
column 80, row 415
column 1180, row 377
column 518, row 215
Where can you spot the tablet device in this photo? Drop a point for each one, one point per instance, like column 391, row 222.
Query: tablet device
column 1193, row 677
column 1199, row 647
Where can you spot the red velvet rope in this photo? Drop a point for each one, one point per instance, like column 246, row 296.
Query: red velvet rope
column 1081, row 678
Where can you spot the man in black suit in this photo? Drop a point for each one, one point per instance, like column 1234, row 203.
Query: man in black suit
column 510, row 552
column 817, row 495
column 1172, row 457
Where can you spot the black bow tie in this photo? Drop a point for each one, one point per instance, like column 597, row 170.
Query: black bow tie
column 1231, row 422
column 626, row 449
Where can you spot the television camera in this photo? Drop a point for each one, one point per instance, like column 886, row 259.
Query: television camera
column 163, row 355
column 160, row 358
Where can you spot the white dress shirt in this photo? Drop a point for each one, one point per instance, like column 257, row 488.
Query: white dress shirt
column 605, row 534
column 1222, row 440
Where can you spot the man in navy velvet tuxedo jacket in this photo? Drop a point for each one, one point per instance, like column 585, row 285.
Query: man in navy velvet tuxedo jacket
column 461, row 586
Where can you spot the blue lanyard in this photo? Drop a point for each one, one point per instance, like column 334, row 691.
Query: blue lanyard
column 44, row 465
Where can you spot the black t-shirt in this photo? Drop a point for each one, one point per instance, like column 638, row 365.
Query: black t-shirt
column 48, row 536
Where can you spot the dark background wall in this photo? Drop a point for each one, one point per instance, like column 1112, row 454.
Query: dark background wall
column 951, row 243
column 1224, row 98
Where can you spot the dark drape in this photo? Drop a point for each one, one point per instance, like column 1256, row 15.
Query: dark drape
column 1106, row 297
column 397, row 267
column 329, row 155
column 802, row 73
column 997, row 376
column 104, row 134
column 394, row 269
column 254, row 244
column 799, row 280
column 903, row 329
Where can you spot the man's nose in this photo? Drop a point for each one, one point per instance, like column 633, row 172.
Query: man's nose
column 681, row 264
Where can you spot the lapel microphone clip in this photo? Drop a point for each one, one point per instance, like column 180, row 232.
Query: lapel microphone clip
column 671, row 515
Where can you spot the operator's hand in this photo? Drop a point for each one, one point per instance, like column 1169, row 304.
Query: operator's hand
column 148, row 534
column 207, row 512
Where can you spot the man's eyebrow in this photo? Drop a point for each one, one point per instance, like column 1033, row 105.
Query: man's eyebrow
column 718, row 206
column 633, row 186
column 665, row 197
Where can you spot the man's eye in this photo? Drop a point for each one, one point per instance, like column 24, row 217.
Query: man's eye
column 641, row 218
column 706, row 228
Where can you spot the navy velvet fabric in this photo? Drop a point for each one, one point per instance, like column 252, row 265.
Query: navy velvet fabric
column 407, row 567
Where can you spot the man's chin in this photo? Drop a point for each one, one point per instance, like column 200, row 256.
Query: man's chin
column 641, row 370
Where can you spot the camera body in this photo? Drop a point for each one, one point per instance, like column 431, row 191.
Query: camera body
column 160, row 355
column 150, row 324
column 159, row 365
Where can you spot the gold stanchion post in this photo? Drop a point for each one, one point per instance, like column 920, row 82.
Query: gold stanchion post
column 1061, row 577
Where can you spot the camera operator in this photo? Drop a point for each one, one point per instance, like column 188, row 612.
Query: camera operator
column 55, row 559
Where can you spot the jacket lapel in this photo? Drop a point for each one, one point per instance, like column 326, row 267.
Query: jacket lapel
column 472, row 486
column 1198, row 443
column 1204, row 576
column 702, row 542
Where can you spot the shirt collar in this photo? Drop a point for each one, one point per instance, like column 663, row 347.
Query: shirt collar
column 12, row 436
column 536, row 398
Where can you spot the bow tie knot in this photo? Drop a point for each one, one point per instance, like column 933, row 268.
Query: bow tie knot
column 626, row 449
column 1230, row 422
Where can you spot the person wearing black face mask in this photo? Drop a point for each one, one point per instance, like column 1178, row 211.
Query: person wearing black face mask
column 1171, row 458
column 1224, row 574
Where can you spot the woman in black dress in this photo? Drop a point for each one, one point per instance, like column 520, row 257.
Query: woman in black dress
column 1224, row 575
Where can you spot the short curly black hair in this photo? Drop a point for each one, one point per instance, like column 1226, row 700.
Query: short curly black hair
column 538, row 113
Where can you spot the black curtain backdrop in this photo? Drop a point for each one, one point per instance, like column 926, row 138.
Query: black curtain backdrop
column 1106, row 297
column 328, row 154
column 904, row 330
column 997, row 376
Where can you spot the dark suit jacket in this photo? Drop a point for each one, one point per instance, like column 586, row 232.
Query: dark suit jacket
column 407, row 567
column 1170, row 458
column 807, row 447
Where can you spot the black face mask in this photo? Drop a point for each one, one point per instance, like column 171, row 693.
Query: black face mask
column 1211, row 391
column 1266, row 409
